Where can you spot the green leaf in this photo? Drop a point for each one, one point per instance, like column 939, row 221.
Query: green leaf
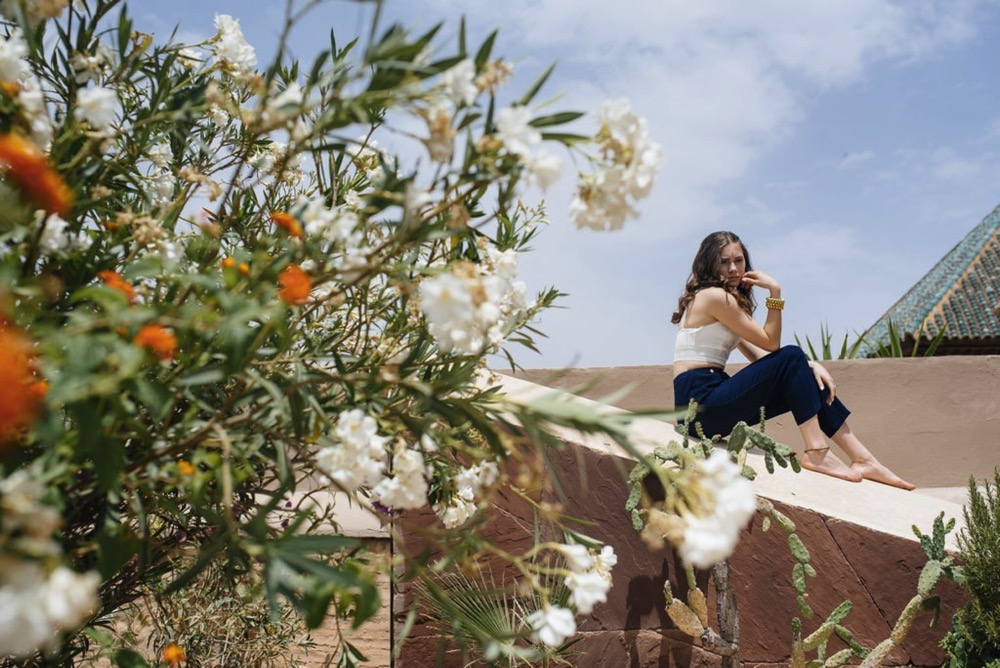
column 529, row 95
column 485, row 50
column 114, row 550
column 318, row 544
column 202, row 377
column 555, row 119
column 127, row 658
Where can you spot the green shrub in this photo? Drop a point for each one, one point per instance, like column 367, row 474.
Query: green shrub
column 975, row 638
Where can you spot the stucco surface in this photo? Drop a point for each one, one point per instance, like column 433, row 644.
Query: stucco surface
column 932, row 420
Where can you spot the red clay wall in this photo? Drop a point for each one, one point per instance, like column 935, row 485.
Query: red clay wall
column 877, row 571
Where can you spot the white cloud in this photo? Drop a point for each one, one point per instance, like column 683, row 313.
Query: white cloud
column 855, row 158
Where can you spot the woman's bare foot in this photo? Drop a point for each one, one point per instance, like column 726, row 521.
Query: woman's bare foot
column 876, row 471
column 820, row 461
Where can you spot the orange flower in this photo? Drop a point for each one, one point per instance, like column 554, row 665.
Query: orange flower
column 20, row 395
column 114, row 280
column 173, row 654
column 185, row 468
column 26, row 165
column 287, row 222
column 10, row 88
column 244, row 268
column 158, row 339
column 295, row 284
column 228, row 262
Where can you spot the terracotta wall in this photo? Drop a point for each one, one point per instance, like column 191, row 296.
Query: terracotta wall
column 878, row 572
column 933, row 420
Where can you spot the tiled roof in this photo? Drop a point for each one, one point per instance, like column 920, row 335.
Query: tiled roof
column 960, row 294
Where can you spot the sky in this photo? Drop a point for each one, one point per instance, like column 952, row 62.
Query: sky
column 850, row 143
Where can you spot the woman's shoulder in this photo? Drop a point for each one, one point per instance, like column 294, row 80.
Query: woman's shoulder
column 711, row 295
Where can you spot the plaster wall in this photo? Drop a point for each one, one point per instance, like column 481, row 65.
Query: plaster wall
column 932, row 420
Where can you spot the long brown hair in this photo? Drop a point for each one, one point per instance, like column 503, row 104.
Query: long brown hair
column 705, row 274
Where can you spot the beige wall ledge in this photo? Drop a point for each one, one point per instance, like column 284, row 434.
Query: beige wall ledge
column 867, row 504
column 935, row 421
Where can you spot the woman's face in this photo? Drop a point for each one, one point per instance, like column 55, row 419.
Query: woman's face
column 732, row 264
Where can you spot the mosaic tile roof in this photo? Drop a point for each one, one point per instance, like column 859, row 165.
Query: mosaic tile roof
column 960, row 294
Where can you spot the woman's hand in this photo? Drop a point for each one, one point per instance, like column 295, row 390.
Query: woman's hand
column 761, row 280
column 824, row 380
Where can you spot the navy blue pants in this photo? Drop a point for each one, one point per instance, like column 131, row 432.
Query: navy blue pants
column 779, row 382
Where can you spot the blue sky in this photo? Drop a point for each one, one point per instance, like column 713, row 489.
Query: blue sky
column 850, row 143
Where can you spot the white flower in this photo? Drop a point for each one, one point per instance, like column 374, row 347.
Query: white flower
column 284, row 106
column 170, row 252
column 189, row 58
column 407, row 488
column 23, row 513
column 162, row 185
column 13, row 50
column 551, row 625
column 97, row 107
column 357, row 456
column 469, row 307
column 542, row 169
column 160, row 153
column 459, row 510
column 711, row 535
column 577, row 557
column 69, row 597
column 86, row 67
column 24, row 627
column 55, row 239
column 459, row 83
column 263, row 160
column 33, row 105
column 34, row 10
column 34, row 609
column 605, row 560
column 337, row 224
column 231, row 49
column 219, row 116
column 587, row 589
column 515, row 131
column 625, row 173
column 479, row 478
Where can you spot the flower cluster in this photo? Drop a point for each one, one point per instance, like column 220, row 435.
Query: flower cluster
column 705, row 532
column 39, row 598
column 470, row 485
column 625, row 173
column 588, row 581
column 231, row 49
column 357, row 455
column 468, row 306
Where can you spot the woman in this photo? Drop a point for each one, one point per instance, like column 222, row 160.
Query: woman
column 715, row 315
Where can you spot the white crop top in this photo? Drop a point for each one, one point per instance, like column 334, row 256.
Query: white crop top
column 711, row 343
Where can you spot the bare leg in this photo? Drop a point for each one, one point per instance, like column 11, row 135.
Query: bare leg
column 817, row 454
column 864, row 462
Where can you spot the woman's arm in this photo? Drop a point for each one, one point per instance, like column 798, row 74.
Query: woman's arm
column 750, row 351
column 720, row 305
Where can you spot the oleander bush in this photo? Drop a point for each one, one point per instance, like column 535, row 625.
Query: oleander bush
column 229, row 290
